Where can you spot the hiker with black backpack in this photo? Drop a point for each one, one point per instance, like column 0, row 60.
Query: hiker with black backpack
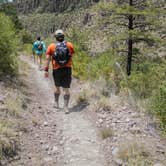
column 61, row 55
column 38, row 49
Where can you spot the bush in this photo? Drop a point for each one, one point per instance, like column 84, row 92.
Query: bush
column 146, row 77
column 10, row 10
column 8, row 45
column 80, row 63
column 101, row 66
column 26, row 37
column 158, row 105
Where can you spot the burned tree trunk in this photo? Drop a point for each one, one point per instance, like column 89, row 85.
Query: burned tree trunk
column 130, row 42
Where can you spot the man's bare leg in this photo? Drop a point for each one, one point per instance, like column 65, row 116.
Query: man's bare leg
column 66, row 99
column 34, row 59
column 56, row 96
column 40, row 61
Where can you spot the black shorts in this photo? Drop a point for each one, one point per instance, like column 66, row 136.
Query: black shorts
column 62, row 77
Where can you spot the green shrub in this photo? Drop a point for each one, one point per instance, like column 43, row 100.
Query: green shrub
column 101, row 66
column 158, row 105
column 92, row 68
column 146, row 77
column 10, row 10
column 8, row 45
column 26, row 49
column 79, row 38
column 26, row 37
column 80, row 63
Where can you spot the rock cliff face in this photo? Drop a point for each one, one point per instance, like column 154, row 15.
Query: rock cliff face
column 28, row 6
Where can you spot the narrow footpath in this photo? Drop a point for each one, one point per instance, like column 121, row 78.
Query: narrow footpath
column 52, row 138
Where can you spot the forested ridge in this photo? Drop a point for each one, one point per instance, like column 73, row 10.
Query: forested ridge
column 121, row 42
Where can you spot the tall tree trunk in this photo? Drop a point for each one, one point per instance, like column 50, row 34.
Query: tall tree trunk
column 130, row 42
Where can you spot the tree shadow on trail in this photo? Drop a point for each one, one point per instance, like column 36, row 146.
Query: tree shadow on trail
column 79, row 107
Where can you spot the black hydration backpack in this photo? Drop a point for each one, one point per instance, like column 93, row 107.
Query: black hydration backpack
column 40, row 46
column 62, row 54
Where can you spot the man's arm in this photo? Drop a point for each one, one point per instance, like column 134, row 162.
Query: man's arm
column 33, row 51
column 71, row 48
column 33, row 48
column 48, row 59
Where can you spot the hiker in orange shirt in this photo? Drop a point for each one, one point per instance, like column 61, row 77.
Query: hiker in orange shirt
column 61, row 55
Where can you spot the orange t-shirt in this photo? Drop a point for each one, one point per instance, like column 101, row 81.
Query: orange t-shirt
column 51, row 50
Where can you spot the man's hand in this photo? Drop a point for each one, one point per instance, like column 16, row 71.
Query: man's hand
column 46, row 74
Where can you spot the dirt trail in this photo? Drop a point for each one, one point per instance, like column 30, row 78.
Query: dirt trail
column 52, row 138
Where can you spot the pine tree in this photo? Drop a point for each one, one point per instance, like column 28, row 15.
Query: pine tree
column 135, row 23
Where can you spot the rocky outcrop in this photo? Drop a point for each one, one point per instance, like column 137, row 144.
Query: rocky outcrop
column 28, row 6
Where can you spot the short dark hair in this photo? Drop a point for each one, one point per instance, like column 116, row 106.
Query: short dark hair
column 38, row 38
column 59, row 37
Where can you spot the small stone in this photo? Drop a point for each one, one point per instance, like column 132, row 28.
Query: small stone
column 132, row 124
column 47, row 148
column 61, row 143
column 31, row 129
column 45, row 124
column 127, row 120
column 49, row 153
column 161, row 151
column 29, row 157
column 47, row 159
column 100, row 121
column 102, row 116
column 2, row 101
column 113, row 124
column 20, row 133
column 158, row 164
column 37, row 135
column 92, row 141
column 135, row 130
column 41, row 141
column 118, row 161
column 54, row 149
column 115, row 151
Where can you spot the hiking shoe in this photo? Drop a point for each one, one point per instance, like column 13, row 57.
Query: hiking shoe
column 66, row 110
column 40, row 68
column 56, row 105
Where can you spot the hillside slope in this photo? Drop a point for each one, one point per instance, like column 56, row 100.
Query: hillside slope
column 29, row 6
column 100, row 35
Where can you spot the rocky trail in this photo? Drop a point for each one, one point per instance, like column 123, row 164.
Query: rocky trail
column 52, row 138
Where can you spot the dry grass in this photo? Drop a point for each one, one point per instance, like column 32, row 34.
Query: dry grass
column 103, row 105
column 35, row 121
column 23, row 67
column 9, row 141
column 103, row 102
column 6, row 129
column 8, row 147
column 135, row 154
column 83, row 97
column 14, row 106
column 106, row 132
